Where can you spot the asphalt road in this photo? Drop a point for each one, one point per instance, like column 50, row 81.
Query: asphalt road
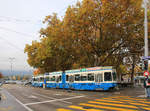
column 25, row 98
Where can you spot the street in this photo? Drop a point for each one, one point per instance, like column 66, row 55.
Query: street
column 26, row 98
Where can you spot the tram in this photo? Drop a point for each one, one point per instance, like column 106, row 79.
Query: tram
column 94, row 78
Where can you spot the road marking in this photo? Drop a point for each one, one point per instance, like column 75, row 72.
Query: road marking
column 147, row 109
column 120, row 105
column 19, row 101
column 32, row 97
column 81, row 108
column 54, row 100
column 61, row 109
column 139, row 104
column 3, row 96
column 58, row 94
column 145, row 102
column 106, row 107
column 125, row 100
column 6, row 109
column 113, row 101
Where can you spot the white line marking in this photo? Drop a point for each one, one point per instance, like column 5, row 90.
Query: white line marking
column 24, row 105
column 19, row 101
column 54, row 100
column 32, row 97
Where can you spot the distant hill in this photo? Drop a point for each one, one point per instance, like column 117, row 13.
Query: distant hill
column 21, row 72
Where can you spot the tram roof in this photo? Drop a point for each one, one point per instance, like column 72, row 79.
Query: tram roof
column 83, row 70
column 90, row 69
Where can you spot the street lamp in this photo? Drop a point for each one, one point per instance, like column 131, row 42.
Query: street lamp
column 11, row 63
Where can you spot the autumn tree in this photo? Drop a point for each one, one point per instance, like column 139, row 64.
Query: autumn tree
column 92, row 33
column 1, row 75
column 107, row 32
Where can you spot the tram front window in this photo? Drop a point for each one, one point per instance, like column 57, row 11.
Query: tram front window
column 107, row 76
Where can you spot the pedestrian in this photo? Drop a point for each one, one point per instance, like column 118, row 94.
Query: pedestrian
column 147, row 86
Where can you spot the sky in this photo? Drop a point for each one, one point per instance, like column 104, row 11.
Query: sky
column 20, row 22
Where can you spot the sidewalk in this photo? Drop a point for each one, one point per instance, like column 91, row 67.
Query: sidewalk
column 136, row 91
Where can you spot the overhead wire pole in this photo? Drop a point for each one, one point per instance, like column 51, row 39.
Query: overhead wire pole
column 146, row 30
column 146, row 57
column 11, row 63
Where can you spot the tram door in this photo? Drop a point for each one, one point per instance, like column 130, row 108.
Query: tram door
column 99, row 78
column 71, row 80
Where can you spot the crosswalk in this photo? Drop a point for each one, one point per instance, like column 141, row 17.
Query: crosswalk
column 115, row 103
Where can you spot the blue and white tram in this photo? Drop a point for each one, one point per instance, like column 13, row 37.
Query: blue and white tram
column 95, row 78
column 37, row 81
column 53, row 80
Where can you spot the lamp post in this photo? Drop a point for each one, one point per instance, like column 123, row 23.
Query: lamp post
column 11, row 63
column 146, row 57
column 146, row 30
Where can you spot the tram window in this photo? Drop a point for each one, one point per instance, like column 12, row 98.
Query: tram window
column 67, row 78
column 36, row 79
column 33, row 79
column 59, row 78
column 71, row 78
column 83, row 78
column 41, row 78
column 47, row 78
column 53, row 78
column 114, row 76
column 107, row 76
column 99, row 77
column 77, row 77
column 91, row 77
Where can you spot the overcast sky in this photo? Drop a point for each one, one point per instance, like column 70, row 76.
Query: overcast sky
column 20, row 22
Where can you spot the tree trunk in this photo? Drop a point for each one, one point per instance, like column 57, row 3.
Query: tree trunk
column 133, row 66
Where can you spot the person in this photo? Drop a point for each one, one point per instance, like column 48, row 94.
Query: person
column 147, row 86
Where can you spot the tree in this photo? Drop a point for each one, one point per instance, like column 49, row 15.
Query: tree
column 92, row 33
column 1, row 75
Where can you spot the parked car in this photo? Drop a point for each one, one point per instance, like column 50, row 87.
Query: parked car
column 1, row 83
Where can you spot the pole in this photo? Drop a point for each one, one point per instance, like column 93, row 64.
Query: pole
column 146, row 39
column 11, row 63
column 146, row 30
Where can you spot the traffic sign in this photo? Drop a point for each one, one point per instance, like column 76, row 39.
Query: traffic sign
column 146, row 73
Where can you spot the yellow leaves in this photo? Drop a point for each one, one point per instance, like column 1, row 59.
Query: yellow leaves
column 90, row 31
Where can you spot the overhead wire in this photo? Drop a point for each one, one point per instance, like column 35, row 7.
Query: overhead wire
column 11, row 44
column 22, row 33
column 11, row 19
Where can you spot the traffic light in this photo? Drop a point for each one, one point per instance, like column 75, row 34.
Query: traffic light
column 145, row 65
